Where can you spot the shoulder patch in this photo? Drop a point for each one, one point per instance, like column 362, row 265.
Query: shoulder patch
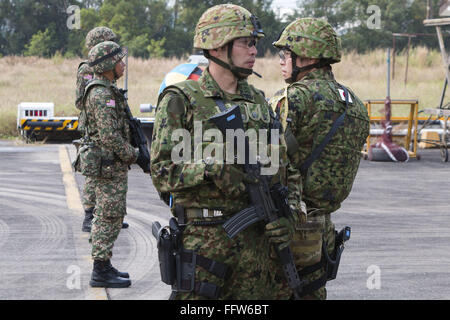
column 342, row 96
column 175, row 105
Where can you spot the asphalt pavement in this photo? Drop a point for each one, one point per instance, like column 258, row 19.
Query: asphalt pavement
column 398, row 212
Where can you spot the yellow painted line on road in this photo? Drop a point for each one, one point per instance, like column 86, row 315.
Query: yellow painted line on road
column 73, row 200
column 72, row 193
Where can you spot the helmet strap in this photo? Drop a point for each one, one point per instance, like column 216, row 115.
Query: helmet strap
column 238, row 72
column 116, row 76
column 297, row 70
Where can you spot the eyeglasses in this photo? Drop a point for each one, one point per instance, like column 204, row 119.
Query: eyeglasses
column 284, row 54
column 246, row 42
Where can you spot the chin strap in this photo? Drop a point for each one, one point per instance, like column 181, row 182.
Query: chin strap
column 116, row 76
column 238, row 72
column 297, row 70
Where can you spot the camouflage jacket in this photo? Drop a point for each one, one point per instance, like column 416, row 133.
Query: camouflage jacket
column 313, row 104
column 178, row 108
column 107, row 124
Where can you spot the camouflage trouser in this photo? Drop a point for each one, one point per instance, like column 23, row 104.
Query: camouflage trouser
column 307, row 248
column 110, row 210
column 88, row 194
column 247, row 255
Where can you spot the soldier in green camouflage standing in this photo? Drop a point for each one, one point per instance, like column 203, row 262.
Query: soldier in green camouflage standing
column 105, row 158
column 308, row 108
column 205, row 193
column 84, row 75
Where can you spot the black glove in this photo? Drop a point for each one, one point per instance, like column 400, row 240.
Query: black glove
column 143, row 163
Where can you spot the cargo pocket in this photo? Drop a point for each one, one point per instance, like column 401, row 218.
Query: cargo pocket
column 111, row 196
column 90, row 160
column 307, row 242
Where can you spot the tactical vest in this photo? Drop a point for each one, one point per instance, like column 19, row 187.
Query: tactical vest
column 97, row 82
column 206, row 107
column 256, row 115
column 329, row 179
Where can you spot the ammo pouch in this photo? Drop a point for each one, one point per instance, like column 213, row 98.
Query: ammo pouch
column 329, row 262
column 93, row 161
column 177, row 265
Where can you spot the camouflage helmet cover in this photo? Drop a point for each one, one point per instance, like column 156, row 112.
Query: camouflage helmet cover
column 97, row 35
column 105, row 55
column 223, row 23
column 311, row 38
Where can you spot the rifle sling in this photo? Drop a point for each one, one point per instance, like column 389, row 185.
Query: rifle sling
column 219, row 102
column 318, row 150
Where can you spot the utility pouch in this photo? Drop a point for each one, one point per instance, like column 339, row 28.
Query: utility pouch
column 107, row 166
column 90, row 160
column 308, row 241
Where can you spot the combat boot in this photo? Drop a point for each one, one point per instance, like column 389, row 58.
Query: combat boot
column 117, row 272
column 104, row 276
column 87, row 222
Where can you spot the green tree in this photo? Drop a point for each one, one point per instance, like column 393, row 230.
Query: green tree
column 353, row 20
column 156, row 48
column 42, row 44
column 20, row 20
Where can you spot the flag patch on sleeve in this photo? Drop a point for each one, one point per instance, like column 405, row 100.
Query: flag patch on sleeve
column 111, row 103
column 342, row 95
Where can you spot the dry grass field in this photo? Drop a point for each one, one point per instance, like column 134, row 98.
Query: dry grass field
column 31, row 79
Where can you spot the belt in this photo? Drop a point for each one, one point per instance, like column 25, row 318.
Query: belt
column 195, row 213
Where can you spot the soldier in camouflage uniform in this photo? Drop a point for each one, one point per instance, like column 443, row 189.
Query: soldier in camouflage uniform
column 308, row 108
column 84, row 74
column 105, row 157
column 206, row 193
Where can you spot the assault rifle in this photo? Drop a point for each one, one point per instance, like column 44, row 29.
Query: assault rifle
column 138, row 139
column 267, row 206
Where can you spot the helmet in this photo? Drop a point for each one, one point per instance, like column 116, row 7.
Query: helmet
column 97, row 35
column 223, row 23
column 220, row 25
column 105, row 55
column 311, row 38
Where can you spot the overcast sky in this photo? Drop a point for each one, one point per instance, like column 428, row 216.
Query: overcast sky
column 284, row 4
